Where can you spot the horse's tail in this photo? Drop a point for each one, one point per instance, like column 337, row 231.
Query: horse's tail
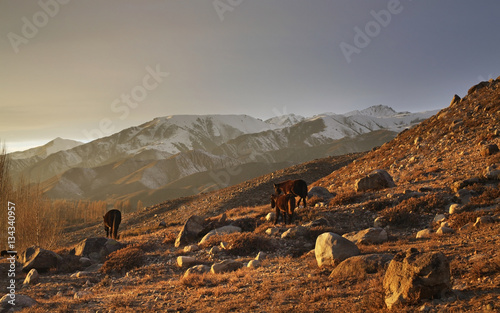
column 291, row 205
column 116, row 220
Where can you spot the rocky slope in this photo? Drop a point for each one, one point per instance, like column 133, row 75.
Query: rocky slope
column 447, row 179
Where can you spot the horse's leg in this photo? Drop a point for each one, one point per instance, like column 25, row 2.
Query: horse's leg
column 277, row 215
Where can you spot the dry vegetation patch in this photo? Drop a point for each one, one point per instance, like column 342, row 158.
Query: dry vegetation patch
column 123, row 260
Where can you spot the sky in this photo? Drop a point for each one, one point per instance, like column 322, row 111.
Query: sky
column 85, row 69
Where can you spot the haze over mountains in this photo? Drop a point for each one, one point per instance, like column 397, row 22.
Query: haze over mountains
column 181, row 155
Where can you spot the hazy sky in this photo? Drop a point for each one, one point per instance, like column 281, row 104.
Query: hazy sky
column 81, row 69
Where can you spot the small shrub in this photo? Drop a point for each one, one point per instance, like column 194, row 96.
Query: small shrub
column 400, row 217
column 249, row 243
column 378, row 205
column 243, row 243
column 461, row 219
column 123, row 260
column 170, row 237
column 344, row 198
column 247, row 224
column 487, row 197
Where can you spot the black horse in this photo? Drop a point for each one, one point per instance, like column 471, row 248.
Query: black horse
column 284, row 204
column 296, row 187
column 112, row 220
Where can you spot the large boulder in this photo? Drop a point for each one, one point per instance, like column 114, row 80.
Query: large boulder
column 357, row 267
column 376, row 180
column 224, row 230
column 40, row 259
column 320, row 192
column 190, row 231
column 20, row 302
column 97, row 248
column 331, row 249
column 413, row 275
column 373, row 235
column 488, row 150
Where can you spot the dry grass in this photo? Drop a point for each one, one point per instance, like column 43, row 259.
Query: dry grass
column 123, row 260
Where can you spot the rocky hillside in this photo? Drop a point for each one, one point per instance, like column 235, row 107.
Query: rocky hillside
column 412, row 226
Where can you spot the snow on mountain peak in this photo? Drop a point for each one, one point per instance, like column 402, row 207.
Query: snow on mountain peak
column 285, row 120
column 374, row 111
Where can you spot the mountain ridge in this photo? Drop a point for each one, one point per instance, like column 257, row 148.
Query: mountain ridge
column 166, row 149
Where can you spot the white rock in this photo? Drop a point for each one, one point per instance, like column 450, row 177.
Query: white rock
column 254, row 264
column 332, row 249
column 32, row 277
column 424, row 233
column 185, row 261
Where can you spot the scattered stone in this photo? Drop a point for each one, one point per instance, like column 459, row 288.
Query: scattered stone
column 214, row 250
column 254, row 264
column 190, row 231
column 271, row 217
column 225, row 245
column 376, row 180
column 226, row 266
column 261, row 256
column 197, row 269
column 229, row 229
column 295, row 233
column 464, row 195
column 491, row 173
column 162, row 224
column 424, row 234
column 488, row 150
column 320, row 192
column 272, row 231
column 40, row 259
column 186, row 261
column 82, row 294
column 443, row 230
column 360, row 265
column 32, row 278
column 455, row 208
column 413, row 276
column 191, row 248
column 372, row 235
column 21, row 302
column 483, row 220
column 332, row 249
column 439, row 218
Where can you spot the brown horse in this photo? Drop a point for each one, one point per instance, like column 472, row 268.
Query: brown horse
column 297, row 187
column 112, row 220
column 284, row 204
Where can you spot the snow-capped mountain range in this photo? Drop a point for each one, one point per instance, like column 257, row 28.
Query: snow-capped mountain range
column 165, row 153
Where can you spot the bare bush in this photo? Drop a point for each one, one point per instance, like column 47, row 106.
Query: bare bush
column 123, row 260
